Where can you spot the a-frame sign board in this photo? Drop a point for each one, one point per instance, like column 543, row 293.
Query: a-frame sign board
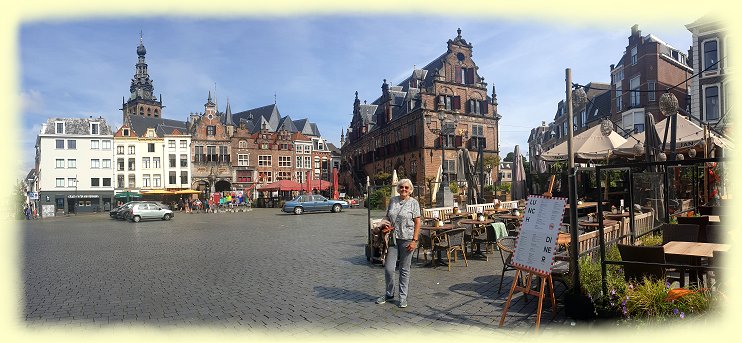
column 534, row 250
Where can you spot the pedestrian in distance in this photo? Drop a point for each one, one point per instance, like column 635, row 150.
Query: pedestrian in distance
column 403, row 213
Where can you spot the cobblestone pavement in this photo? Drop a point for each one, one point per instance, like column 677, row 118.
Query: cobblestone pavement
column 262, row 270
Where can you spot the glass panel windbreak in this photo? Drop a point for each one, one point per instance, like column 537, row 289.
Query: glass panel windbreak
column 649, row 194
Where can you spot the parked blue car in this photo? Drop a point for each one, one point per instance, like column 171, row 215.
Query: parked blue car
column 313, row 203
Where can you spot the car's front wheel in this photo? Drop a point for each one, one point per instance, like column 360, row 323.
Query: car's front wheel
column 298, row 210
column 336, row 208
column 136, row 219
column 166, row 216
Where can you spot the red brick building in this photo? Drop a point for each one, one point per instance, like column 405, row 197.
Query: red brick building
column 394, row 131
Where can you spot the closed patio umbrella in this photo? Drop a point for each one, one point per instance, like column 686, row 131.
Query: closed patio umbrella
column 518, row 186
column 127, row 195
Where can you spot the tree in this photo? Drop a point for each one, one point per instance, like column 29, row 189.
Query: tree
column 509, row 157
column 19, row 200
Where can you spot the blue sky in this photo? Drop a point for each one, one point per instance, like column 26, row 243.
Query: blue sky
column 314, row 64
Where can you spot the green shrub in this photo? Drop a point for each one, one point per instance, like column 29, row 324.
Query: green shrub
column 377, row 198
column 649, row 240
column 489, row 188
column 454, row 187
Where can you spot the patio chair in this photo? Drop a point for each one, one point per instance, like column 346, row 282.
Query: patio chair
column 637, row 272
column 714, row 234
column 507, row 248
column 423, row 243
column 700, row 221
column 451, row 242
column 681, row 233
column 709, row 210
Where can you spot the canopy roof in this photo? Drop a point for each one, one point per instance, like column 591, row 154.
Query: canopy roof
column 588, row 145
column 688, row 136
column 282, row 185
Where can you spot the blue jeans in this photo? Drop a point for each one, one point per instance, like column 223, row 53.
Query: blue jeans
column 404, row 268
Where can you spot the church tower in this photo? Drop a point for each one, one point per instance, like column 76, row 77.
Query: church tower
column 142, row 101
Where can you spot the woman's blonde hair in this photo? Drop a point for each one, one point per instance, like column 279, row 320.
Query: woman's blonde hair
column 405, row 181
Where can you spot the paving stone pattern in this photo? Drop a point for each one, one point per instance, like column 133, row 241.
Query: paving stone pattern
column 262, row 270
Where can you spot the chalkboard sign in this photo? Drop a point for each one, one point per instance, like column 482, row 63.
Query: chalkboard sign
column 536, row 242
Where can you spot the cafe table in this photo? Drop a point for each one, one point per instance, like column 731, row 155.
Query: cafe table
column 434, row 232
column 512, row 222
column 477, row 227
column 697, row 249
column 714, row 218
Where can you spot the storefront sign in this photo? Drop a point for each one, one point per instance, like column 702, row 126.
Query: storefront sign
column 33, row 196
column 83, row 196
column 534, row 249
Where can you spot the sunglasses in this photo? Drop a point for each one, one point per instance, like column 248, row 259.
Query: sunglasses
column 404, row 187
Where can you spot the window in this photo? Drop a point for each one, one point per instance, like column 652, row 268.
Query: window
column 172, row 178
column 283, row 175
column 223, row 154
column 120, row 164
column 132, row 181
column 243, row 145
column 316, row 162
column 307, row 149
column 268, row 176
column 145, row 180
column 651, row 95
column 449, row 138
column 171, row 144
column 183, row 160
column 299, row 164
column 633, row 56
column 199, row 154
column 565, row 129
column 299, row 149
column 59, row 143
column 449, row 168
column 633, row 121
column 59, row 127
column 120, row 181
column 60, row 163
column 106, row 144
column 94, row 128
column 150, row 147
column 710, row 55
column 132, row 149
column 95, row 144
column 126, row 132
column 307, row 162
column 284, row 161
column 264, row 146
column 183, row 144
column 634, row 98
column 171, row 158
column 210, row 130
column 132, row 163
column 243, row 159
column 211, row 153
column 71, row 144
column 183, row 177
column 72, row 163
column 145, row 162
column 94, row 163
column 95, row 182
column 156, row 162
column 264, row 160
column 711, row 103
column 583, row 118
column 119, row 150
column 59, row 182
column 106, row 182
column 71, row 182
column 619, row 103
column 477, row 136
column 106, row 163
column 156, row 181
column 243, row 176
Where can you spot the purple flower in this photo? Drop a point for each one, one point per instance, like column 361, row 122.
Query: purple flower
column 613, row 291
column 682, row 315
column 667, row 284
column 675, row 311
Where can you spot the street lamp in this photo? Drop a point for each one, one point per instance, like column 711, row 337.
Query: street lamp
column 446, row 127
column 669, row 107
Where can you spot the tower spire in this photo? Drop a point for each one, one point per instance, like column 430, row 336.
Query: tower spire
column 142, row 100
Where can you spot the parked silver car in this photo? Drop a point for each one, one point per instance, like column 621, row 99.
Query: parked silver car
column 149, row 210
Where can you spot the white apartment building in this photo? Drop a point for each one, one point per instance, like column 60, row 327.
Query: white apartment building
column 74, row 164
column 152, row 154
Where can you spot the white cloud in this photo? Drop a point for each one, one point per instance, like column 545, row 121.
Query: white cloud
column 32, row 101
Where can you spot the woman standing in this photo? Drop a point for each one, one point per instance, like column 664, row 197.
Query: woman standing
column 404, row 214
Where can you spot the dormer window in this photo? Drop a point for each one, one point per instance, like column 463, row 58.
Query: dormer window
column 94, row 128
column 59, row 127
column 126, row 132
